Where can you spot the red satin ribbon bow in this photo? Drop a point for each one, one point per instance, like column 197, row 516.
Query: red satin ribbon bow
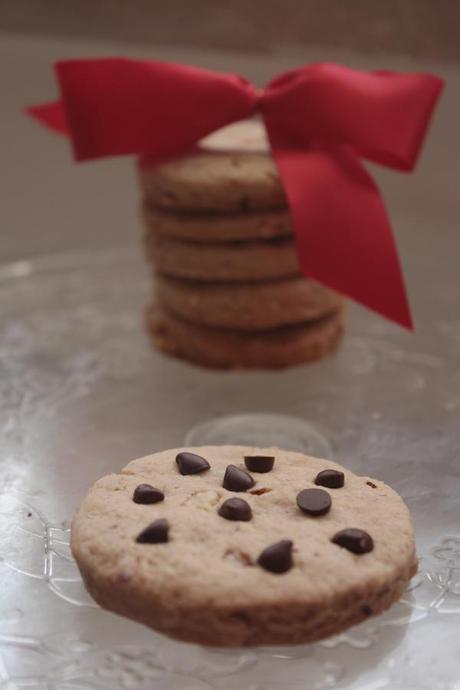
column 320, row 119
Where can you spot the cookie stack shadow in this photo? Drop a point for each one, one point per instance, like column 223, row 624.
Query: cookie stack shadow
column 228, row 291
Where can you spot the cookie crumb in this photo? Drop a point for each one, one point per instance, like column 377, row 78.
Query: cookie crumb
column 259, row 492
column 238, row 556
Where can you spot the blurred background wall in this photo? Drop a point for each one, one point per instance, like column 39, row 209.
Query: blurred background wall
column 418, row 28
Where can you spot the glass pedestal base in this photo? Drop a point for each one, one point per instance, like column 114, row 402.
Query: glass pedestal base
column 262, row 430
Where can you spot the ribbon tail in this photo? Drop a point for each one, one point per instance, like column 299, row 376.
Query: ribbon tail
column 51, row 115
column 343, row 235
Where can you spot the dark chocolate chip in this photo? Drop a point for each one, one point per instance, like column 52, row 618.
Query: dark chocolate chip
column 355, row 540
column 155, row 533
column 333, row 479
column 277, row 558
column 189, row 463
column 372, row 485
column 366, row 610
column 259, row 463
column 145, row 494
column 236, row 479
column 314, row 502
column 235, row 509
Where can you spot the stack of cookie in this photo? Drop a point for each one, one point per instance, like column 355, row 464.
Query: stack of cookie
column 228, row 288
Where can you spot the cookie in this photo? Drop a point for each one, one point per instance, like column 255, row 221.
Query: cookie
column 223, row 261
column 231, row 349
column 253, row 564
column 247, row 306
column 218, row 227
column 232, row 171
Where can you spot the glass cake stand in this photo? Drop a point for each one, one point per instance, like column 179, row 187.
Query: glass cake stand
column 82, row 392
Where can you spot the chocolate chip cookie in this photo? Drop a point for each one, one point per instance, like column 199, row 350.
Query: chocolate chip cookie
column 239, row 546
column 247, row 306
column 235, row 349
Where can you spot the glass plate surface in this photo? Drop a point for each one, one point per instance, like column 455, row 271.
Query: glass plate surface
column 82, row 392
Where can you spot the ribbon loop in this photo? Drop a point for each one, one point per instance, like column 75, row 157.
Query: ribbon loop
column 383, row 115
column 116, row 106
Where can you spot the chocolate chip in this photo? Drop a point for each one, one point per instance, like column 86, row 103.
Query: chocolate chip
column 277, row 558
column 235, row 509
column 372, row 485
column 314, row 502
column 146, row 494
column 366, row 610
column 333, row 479
column 155, row 533
column 189, row 463
column 355, row 540
column 236, row 479
column 259, row 463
